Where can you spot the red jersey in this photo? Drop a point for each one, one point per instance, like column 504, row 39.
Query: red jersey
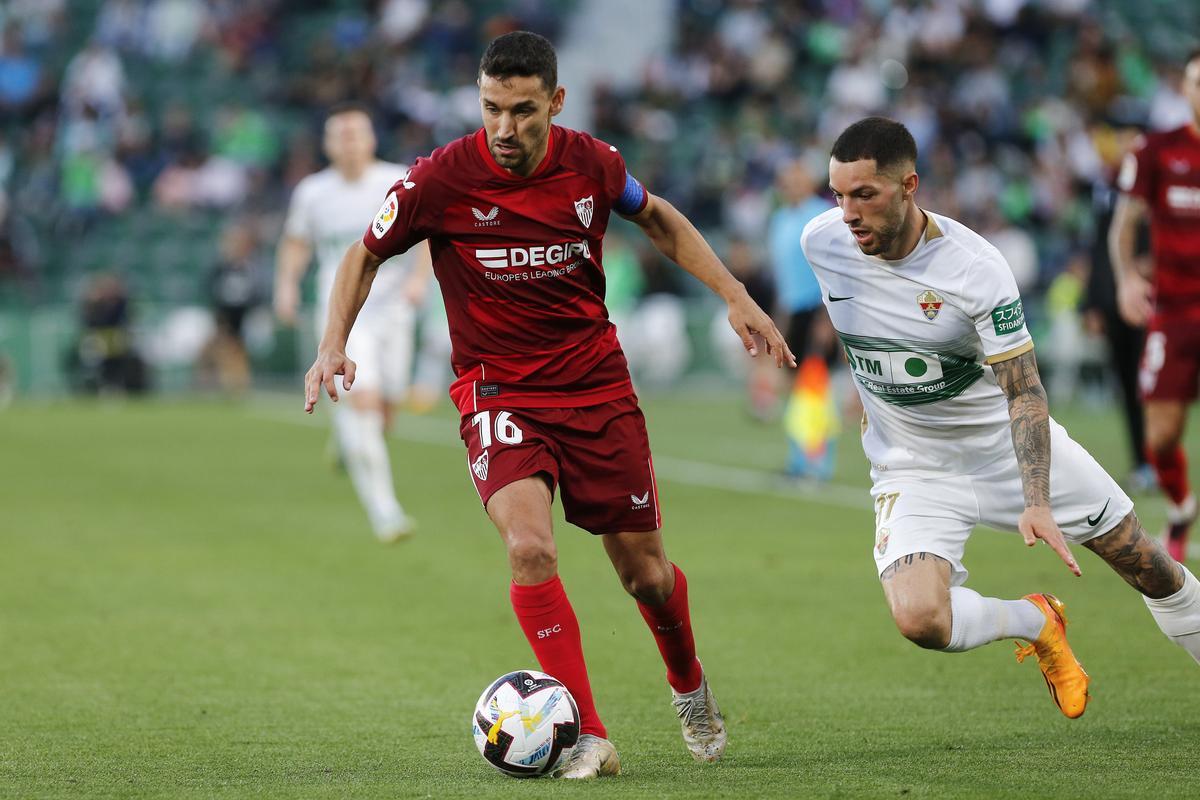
column 1164, row 171
column 519, row 260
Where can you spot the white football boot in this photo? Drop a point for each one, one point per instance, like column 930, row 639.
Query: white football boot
column 701, row 721
column 398, row 528
column 592, row 757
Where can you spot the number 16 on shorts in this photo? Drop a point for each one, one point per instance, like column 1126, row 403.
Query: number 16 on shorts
column 507, row 431
column 488, row 428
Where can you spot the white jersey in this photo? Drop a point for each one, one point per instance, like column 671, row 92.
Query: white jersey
column 918, row 333
column 332, row 213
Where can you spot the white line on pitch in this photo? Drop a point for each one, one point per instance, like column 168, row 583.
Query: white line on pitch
column 744, row 480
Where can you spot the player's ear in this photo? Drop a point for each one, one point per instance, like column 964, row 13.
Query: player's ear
column 909, row 183
column 556, row 100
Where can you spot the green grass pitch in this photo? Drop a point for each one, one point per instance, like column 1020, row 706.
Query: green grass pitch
column 191, row 605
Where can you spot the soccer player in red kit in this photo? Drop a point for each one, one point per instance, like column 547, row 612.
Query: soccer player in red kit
column 515, row 216
column 1161, row 179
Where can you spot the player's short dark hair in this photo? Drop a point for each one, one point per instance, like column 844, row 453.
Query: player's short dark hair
column 1191, row 56
column 524, row 54
column 886, row 141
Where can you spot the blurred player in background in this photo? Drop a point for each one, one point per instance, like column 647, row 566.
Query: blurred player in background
column 957, row 426
column 1160, row 179
column 515, row 215
column 326, row 214
column 810, row 409
column 1102, row 317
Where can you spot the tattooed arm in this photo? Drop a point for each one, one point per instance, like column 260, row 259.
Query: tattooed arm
column 1030, row 414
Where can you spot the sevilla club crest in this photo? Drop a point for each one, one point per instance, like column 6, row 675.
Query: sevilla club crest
column 583, row 210
column 480, row 467
column 930, row 303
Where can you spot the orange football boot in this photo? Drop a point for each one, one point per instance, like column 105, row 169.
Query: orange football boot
column 1064, row 674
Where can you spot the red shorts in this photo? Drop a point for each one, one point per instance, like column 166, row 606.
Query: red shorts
column 597, row 456
column 1170, row 367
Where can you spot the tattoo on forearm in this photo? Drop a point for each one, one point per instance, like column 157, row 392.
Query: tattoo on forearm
column 1030, row 415
column 1137, row 558
column 902, row 563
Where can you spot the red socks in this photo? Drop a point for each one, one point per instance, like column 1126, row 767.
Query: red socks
column 1172, row 473
column 671, row 624
column 549, row 622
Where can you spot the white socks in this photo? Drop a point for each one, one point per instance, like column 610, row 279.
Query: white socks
column 360, row 438
column 976, row 620
column 1178, row 616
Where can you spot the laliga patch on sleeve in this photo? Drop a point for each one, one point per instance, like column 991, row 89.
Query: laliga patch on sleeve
column 1008, row 318
column 385, row 217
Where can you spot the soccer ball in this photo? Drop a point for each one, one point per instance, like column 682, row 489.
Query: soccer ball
column 525, row 723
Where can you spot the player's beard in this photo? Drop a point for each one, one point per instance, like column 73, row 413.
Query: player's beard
column 886, row 234
column 515, row 160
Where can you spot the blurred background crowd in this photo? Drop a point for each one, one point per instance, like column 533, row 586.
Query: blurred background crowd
column 148, row 149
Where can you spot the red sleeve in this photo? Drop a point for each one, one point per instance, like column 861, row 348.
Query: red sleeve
column 1137, row 171
column 614, row 172
column 407, row 214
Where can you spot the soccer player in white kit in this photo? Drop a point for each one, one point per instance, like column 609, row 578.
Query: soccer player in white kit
column 326, row 214
column 957, row 427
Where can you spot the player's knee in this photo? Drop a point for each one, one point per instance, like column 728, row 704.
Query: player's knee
column 924, row 626
column 1162, row 437
column 532, row 556
column 649, row 581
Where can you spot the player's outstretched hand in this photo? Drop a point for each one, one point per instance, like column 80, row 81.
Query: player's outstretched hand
column 1133, row 300
column 321, row 374
column 1035, row 523
column 749, row 321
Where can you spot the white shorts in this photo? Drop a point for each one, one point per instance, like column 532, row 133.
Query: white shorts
column 936, row 514
column 381, row 347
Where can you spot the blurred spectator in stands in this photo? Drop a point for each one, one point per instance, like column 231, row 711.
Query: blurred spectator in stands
column 121, row 24
column 244, row 135
column 95, row 79
column 21, row 75
column 105, row 358
column 234, row 290
column 173, row 27
column 400, row 20
column 200, row 180
column 40, row 20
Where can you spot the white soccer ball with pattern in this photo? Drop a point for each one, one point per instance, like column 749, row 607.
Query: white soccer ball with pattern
column 525, row 724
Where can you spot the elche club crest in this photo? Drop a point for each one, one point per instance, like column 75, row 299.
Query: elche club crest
column 930, row 303
column 583, row 210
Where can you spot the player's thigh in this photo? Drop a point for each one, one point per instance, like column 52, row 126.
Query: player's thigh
column 504, row 447
column 1170, row 366
column 1084, row 499
column 917, row 515
column 607, row 482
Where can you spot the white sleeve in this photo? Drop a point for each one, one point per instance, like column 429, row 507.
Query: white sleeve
column 991, row 299
column 299, row 222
